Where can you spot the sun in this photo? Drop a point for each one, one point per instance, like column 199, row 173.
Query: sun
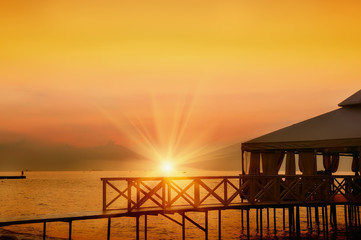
column 167, row 166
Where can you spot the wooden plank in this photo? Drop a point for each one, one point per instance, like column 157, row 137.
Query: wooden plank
column 66, row 217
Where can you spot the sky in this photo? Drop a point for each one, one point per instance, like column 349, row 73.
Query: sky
column 167, row 78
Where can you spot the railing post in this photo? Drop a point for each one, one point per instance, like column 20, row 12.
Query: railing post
column 104, row 194
column 130, row 195
column 279, row 179
column 138, row 191
column 196, row 192
column 164, row 190
column 169, row 193
column 225, row 190
column 348, row 188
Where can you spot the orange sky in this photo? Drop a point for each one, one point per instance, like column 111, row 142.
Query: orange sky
column 173, row 73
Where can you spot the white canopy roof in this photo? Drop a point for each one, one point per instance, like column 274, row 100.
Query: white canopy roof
column 339, row 129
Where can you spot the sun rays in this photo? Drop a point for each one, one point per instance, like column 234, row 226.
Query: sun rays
column 165, row 131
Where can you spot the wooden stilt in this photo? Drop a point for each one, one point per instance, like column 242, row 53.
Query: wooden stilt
column 220, row 224
column 293, row 221
column 326, row 222
column 349, row 216
column 298, row 232
column 261, row 222
column 267, row 218
column 354, row 216
column 183, row 227
column 44, row 231
column 257, row 226
column 248, row 224
column 317, row 218
column 358, row 215
column 242, row 224
column 70, row 230
column 137, row 227
column 335, row 218
column 274, row 221
column 108, row 232
column 206, row 225
column 310, row 217
column 145, row 226
column 290, row 222
column 284, row 218
column 323, row 221
column 356, row 219
column 331, row 215
column 346, row 224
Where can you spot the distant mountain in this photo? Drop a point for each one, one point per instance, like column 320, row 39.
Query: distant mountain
column 36, row 155
column 223, row 159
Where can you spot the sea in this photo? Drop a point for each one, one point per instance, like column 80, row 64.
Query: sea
column 52, row 193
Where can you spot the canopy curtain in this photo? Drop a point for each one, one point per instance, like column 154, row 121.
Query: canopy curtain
column 254, row 165
column 253, row 168
column 307, row 163
column 290, row 163
column 331, row 162
column 356, row 162
column 271, row 162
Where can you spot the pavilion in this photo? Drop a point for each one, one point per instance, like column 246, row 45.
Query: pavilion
column 333, row 134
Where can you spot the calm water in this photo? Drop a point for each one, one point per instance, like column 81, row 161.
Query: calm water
column 65, row 192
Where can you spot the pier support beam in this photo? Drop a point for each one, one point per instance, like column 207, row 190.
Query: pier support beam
column 242, row 225
column 326, row 223
column 206, row 225
column 317, row 219
column 70, row 229
column 284, row 218
column 257, row 225
column 137, row 227
column 323, row 221
column 334, row 213
column 290, row 221
column 346, row 225
column 358, row 215
column 267, row 218
column 274, row 221
column 145, row 226
column 310, row 218
column 260, row 223
column 108, row 232
column 220, row 224
column 44, row 231
column 183, row 227
column 185, row 217
column 298, row 227
column 247, row 211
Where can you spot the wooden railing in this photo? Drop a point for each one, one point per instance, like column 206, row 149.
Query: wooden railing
column 301, row 189
column 224, row 191
column 168, row 192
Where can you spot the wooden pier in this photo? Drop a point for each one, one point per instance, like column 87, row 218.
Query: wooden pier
column 13, row 177
column 323, row 197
